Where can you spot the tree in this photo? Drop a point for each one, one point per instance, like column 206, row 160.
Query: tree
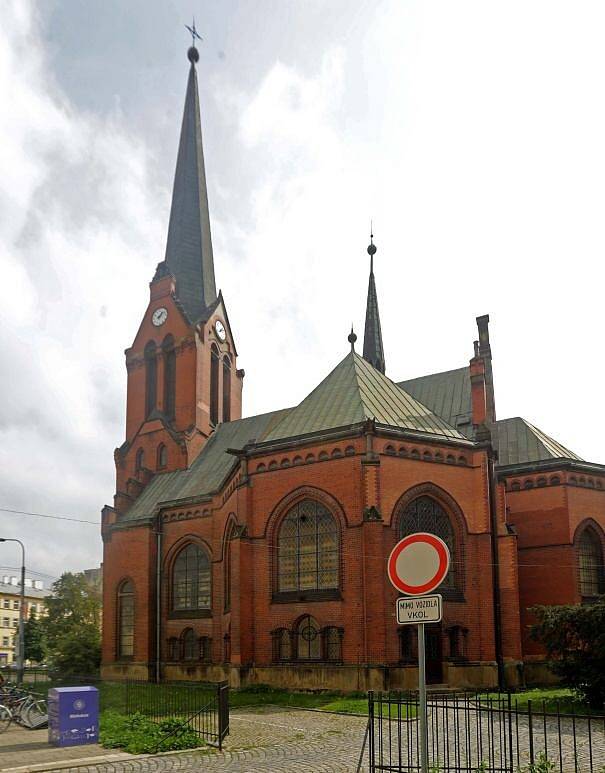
column 72, row 623
column 33, row 634
column 574, row 638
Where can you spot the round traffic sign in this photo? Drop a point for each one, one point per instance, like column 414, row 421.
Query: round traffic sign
column 418, row 564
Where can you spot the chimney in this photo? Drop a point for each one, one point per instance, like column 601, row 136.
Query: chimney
column 478, row 388
column 483, row 350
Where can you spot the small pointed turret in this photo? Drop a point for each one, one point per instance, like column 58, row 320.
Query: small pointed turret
column 373, row 350
column 189, row 246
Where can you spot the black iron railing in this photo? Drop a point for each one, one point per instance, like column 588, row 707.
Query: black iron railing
column 481, row 732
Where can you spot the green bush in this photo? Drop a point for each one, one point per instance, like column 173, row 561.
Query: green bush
column 574, row 638
column 138, row 734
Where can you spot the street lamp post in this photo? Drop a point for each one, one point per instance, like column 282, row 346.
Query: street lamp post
column 21, row 662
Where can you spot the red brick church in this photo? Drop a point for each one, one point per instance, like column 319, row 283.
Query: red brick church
column 255, row 548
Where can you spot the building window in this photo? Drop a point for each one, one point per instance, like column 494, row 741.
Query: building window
column 162, row 460
column 282, row 645
column 205, row 649
column 226, row 388
column 151, row 373
column 5, row 641
column 15, row 623
column 126, row 620
column 139, row 461
column 189, row 645
column 308, row 549
column 191, row 579
column 456, row 637
column 169, row 377
column 6, row 622
column 15, row 605
column 173, row 649
column 407, row 652
column 332, row 644
column 426, row 514
column 214, row 368
column 6, row 603
column 590, row 560
column 308, row 639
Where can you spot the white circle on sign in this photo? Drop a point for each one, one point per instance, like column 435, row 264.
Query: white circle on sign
column 419, row 563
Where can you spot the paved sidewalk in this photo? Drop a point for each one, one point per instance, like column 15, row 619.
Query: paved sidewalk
column 266, row 738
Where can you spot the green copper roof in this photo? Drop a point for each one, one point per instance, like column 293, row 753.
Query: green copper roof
column 448, row 394
column 353, row 392
column 519, row 442
column 209, row 470
column 189, row 246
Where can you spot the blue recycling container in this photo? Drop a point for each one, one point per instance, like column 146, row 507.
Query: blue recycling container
column 73, row 716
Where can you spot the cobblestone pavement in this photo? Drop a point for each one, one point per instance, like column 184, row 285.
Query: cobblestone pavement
column 272, row 738
column 263, row 739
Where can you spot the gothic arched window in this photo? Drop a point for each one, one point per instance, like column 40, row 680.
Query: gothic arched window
column 590, row 560
column 308, row 549
column 189, row 645
column 139, row 460
column 426, row 514
column 226, row 388
column 125, row 619
column 169, row 376
column 214, row 369
column 151, row 373
column 162, row 459
column 308, row 639
column 191, row 579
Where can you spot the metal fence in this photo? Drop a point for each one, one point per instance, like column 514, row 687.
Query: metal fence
column 481, row 732
column 199, row 706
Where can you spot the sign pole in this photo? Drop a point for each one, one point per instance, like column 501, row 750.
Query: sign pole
column 422, row 718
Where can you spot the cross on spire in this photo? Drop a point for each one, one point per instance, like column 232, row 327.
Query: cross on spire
column 193, row 31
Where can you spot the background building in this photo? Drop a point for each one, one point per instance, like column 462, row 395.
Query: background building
column 10, row 605
column 255, row 548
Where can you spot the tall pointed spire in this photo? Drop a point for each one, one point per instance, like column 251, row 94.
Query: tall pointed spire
column 189, row 246
column 373, row 351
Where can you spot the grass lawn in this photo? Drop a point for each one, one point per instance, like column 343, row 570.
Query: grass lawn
column 549, row 699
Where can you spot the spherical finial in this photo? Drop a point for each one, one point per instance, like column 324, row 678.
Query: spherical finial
column 371, row 248
column 193, row 55
column 351, row 338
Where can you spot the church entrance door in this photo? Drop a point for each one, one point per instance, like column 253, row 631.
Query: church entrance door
column 434, row 655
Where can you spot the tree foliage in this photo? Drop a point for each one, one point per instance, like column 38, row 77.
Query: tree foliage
column 72, row 625
column 34, row 639
column 574, row 638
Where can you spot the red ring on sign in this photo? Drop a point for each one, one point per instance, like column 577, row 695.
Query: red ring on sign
column 444, row 564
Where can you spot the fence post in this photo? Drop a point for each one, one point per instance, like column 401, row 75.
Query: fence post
column 531, row 732
column 223, row 712
column 510, row 734
column 372, row 761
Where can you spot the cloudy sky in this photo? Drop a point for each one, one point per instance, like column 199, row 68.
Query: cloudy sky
column 471, row 132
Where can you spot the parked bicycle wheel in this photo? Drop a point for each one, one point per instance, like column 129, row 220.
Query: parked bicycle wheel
column 5, row 718
column 35, row 712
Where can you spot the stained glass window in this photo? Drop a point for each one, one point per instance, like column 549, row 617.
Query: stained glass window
column 332, row 643
column 189, row 642
column 590, row 559
column 308, row 549
column 150, row 378
column 426, row 514
column 214, row 366
column 126, row 620
column 191, row 579
column 226, row 388
column 169, row 376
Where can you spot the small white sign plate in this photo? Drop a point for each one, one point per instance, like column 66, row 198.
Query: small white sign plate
column 419, row 609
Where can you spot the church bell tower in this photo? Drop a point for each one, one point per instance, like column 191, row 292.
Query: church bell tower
column 182, row 374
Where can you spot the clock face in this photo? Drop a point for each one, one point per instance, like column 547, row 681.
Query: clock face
column 159, row 316
column 219, row 329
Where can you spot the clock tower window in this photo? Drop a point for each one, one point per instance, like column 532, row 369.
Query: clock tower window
column 151, row 373
column 169, row 376
column 214, row 371
column 226, row 388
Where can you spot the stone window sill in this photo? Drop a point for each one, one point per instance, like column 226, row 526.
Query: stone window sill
column 288, row 597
